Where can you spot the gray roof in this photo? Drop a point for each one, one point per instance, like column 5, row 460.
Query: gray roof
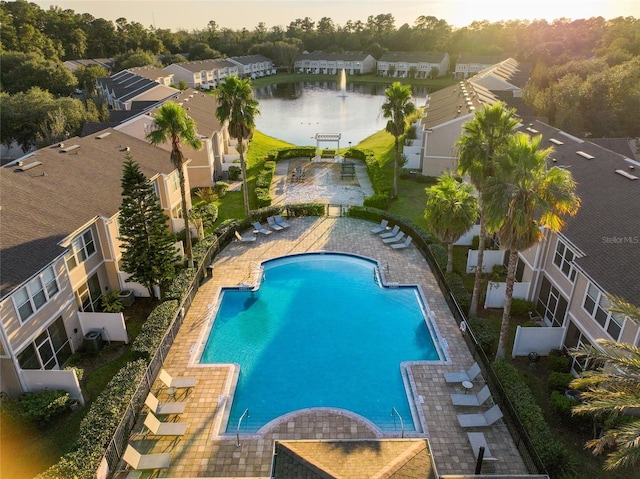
column 345, row 56
column 199, row 106
column 151, row 72
column 412, row 57
column 249, row 59
column 126, row 84
column 606, row 229
column 43, row 205
column 206, row 65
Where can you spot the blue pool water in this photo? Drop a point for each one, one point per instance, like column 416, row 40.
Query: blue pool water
column 320, row 332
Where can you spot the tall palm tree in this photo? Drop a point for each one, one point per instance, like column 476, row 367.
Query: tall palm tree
column 397, row 107
column 172, row 124
column 482, row 137
column 238, row 107
column 522, row 197
column 451, row 211
column 613, row 386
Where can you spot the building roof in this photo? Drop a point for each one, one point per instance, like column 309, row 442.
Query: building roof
column 198, row 66
column 249, row 59
column 357, row 459
column 345, row 56
column 73, row 65
column 606, row 229
column 413, row 57
column 43, row 205
column 151, row 72
column 199, row 106
column 124, row 83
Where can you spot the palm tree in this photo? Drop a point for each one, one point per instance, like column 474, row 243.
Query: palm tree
column 613, row 386
column 451, row 211
column 481, row 139
column 397, row 107
column 238, row 107
column 172, row 124
column 522, row 197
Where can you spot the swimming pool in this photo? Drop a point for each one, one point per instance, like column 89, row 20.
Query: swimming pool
column 320, row 331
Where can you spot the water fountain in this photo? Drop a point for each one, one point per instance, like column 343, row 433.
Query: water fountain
column 343, row 83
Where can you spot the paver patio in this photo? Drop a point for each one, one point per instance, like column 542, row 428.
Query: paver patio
column 204, row 452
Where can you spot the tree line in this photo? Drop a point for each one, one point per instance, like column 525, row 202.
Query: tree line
column 582, row 78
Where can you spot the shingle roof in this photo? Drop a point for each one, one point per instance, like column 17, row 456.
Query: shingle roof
column 206, row 65
column 394, row 458
column 412, row 57
column 150, row 72
column 345, row 56
column 249, row 59
column 43, row 205
column 201, row 107
column 606, row 229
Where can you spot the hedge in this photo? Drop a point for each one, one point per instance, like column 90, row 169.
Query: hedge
column 99, row 425
column 552, row 453
column 153, row 330
column 42, row 407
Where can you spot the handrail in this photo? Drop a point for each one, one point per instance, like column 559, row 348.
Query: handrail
column 246, row 411
column 393, row 409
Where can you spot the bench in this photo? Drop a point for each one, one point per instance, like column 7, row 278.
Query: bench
column 344, row 175
column 477, row 440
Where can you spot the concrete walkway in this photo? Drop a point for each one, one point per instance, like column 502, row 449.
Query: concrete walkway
column 205, row 451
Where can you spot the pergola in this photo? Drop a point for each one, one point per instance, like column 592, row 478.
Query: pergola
column 328, row 137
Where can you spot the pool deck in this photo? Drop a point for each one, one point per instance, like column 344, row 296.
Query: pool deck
column 202, row 452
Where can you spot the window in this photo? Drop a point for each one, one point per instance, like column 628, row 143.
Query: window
column 50, row 350
column 81, row 248
column 175, row 181
column 575, row 339
column 35, row 294
column 551, row 304
column 89, row 296
column 563, row 259
column 597, row 305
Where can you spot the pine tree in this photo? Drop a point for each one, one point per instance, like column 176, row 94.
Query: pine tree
column 148, row 251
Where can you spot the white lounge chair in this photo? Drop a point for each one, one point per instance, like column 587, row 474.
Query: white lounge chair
column 159, row 428
column 245, row 239
column 484, row 419
column 392, row 233
column 261, row 229
column 381, row 227
column 142, row 462
column 281, row 221
column 394, row 239
column 477, row 440
column 273, row 224
column 177, row 383
column 404, row 244
column 471, row 399
column 461, row 376
column 164, row 408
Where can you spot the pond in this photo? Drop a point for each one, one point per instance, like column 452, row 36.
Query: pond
column 295, row 112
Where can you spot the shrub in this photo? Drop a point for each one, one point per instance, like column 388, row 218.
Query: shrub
column 498, row 273
column 208, row 212
column 559, row 381
column 475, row 242
column 559, row 363
column 220, row 188
column 153, row 330
column 263, row 198
column 180, row 285
column 550, row 450
column 459, row 290
column 520, row 307
column 440, row 254
column 485, row 334
column 563, row 405
column 377, row 201
column 42, row 407
column 305, row 209
column 206, row 194
column 111, row 303
column 235, row 172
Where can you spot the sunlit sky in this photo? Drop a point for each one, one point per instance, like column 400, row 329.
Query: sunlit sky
column 237, row 14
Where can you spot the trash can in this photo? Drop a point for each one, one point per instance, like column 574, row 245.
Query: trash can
column 93, row 341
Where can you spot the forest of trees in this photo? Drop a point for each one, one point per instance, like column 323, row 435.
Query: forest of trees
column 584, row 72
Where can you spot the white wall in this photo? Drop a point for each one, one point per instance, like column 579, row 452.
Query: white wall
column 495, row 293
column 537, row 340
column 110, row 324
column 467, row 238
column 489, row 260
column 38, row 380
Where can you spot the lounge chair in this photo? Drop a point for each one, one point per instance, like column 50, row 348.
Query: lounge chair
column 164, row 408
column 281, row 221
column 245, row 239
column 392, row 233
column 159, row 428
column 477, row 440
column 273, row 224
column 177, row 383
column 381, row 227
column 394, row 239
column 142, row 462
column 404, row 244
column 461, row 376
column 484, row 419
column 261, row 229
column 471, row 399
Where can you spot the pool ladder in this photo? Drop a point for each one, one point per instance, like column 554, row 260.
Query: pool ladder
column 245, row 413
column 394, row 410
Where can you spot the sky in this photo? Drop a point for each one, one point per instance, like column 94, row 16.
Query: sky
column 237, row 14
